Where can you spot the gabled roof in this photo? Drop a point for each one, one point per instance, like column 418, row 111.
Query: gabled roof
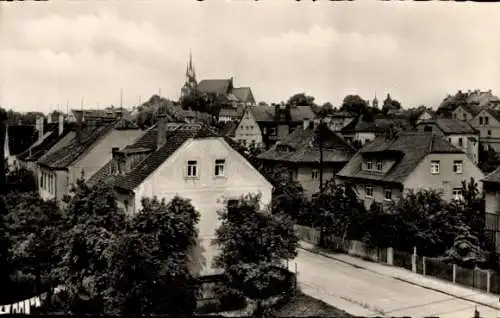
column 470, row 108
column 43, row 145
column 64, row 157
column 407, row 149
column 494, row 113
column 450, row 125
column 243, row 94
column 493, row 177
column 216, row 86
column 377, row 125
column 300, row 146
column 267, row 114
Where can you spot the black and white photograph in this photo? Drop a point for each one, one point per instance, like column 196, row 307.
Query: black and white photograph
column 241, row 158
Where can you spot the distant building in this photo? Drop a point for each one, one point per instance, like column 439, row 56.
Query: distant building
column 491, row 187
column 487, row 122
column 364, row 131
column 338, row 120
column 388, row 166
column 247, row 130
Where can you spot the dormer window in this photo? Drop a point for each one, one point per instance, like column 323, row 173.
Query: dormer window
column 486, row 120
column 369, row 165
column 480, row 120
column 379, row 165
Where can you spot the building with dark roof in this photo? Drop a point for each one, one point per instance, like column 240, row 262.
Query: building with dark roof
column 487, row 123
column 80, row 154
column 364, row 130
column 299, row 152
column 459, row 133
column 190, row 160
column 466, row 112
column 388, row 166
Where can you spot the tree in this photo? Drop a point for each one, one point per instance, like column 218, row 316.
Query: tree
column 151, row 273
column 381, row 228
column 6, row 266
column 253, row 247
column 21, row 180
column 354, row 104
column 301, row 99
column 390, row 104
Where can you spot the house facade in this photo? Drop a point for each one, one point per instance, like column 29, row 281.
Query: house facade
column 339, row 120
column 299, row 152
column 248, row 131
column 387, row 167
column 466, row 112
column 364, row 131
column 190, row 161
column 459, row 133
column 487, row 122
column 86, row 151
column 491, row 188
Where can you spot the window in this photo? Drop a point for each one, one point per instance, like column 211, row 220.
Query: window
column 435, row 166
column 480, row 120
column 379, row 166
column 465, row 116
column 41, row 180
column 449, row 139
column 192, row 168
column 125, row 204
column 219, row 167
column 457, row 166
column 460, row 142
column 388, row 194
column 428, row 128
column 369, row 191
column 486, row 120
column 489, row 133
column 457, row 194
column 315, row 174
column 369, row 165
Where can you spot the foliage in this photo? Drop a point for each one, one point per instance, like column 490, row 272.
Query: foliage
column 21, row 180
column 253, row 246
column 488, row 159
column 381, row 228
column 301, row 99
column 150, row 272
column 6, row 267
column 466, row 250
column 390, row 104
column 16, row 118
column 354, row 104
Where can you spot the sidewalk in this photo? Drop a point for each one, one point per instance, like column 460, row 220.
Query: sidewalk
column 448, row 288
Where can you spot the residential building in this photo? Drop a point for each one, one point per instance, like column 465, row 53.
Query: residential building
column 340, row 119
column 424, row 115
column 278, row 121
column 185, row 159
column 247, row 130
column 364, row 131
column 81, row 154
column 466, row 112
column 487, row 122
column 299, row 152
column 459, row 133
column 230, row 113
column 108, row 114
column 388, row 166
column 48, row 137
column 491, row 188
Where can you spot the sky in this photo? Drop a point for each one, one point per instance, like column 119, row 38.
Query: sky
column 58, row 53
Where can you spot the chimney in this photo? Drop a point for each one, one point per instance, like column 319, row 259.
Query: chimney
column 161, row 137
column 61, row 124
column 305, row 123
column 39, row 126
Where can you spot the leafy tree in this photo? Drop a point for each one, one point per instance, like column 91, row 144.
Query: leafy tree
column 301, row 99
column 6, row 266
column 381, row 228
column 21, row 180
column 253, row 247
column 151, row 273
column 488, row 159
column 390, row 104
column 466, row 250
column 354, row 104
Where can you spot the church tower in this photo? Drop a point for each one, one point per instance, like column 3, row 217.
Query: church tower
column 375, row 101
column 190, row 85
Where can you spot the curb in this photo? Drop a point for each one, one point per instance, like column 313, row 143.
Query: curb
column 315, row 251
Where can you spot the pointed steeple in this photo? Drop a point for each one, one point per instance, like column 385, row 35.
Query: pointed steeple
column 375, row 101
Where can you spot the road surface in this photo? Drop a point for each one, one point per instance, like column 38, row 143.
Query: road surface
column 365, row 293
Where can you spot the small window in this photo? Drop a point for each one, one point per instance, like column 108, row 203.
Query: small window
column 449, row 139
column 388, row 194
column 369, row 165
column 457, row 166
column 315, row 174
column 489, row 133
column 428, row 128
column 480, row 120
column 379, row 165
column 435, row 166
column 369, row 191
column 457, row 194
column 486, row 120
column 192, row 168
column 125, row 204
column 219, row 167
column 460, row 142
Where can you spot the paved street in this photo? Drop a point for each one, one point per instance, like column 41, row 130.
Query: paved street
column 365, row 293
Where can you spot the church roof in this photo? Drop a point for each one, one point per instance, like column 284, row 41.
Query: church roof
column 216, row 86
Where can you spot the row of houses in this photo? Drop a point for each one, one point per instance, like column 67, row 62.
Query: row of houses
column 189, row 159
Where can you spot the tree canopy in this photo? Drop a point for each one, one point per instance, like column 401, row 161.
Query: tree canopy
column 354, row 104
column 390, row 104
column 301, row 99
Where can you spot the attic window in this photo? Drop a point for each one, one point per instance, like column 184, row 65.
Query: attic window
column 428, row 128
column 283, row 148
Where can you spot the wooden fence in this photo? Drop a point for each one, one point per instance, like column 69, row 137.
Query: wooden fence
column 485, row 280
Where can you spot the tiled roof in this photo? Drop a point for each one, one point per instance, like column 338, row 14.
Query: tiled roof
column 494, row 113
column 471, row 109
column 341, row 114
column 450, row 125
column 493, row 176
column 297, row 113
column 408, row 149
column 217, row 86
column 300, row 146
column 65, row 156
column 242, row 93
column 263, row 113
